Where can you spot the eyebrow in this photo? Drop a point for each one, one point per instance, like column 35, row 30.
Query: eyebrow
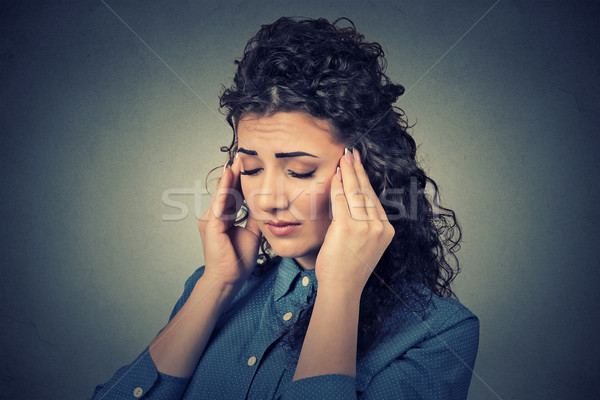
column 278, row 155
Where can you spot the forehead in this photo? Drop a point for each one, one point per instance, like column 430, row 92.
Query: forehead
column 286, row 131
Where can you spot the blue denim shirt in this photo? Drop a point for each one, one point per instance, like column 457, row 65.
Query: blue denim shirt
column 422, row 356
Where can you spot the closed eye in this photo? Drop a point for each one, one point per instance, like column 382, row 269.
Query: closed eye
column 291, row 173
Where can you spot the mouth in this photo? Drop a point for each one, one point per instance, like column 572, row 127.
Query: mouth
column 282, row 228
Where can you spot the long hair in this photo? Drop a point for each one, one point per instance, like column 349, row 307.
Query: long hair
column 332, row 73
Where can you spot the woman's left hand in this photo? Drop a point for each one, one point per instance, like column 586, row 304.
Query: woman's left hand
column 359, row 232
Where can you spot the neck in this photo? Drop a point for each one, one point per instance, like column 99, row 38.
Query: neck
column 306, row 262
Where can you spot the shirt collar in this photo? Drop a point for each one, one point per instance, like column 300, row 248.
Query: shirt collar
column 287, row 272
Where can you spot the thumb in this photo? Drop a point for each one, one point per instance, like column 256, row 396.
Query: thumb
column 252, row 226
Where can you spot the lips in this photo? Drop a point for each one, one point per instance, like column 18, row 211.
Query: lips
column 281, row 228
column 281, row 223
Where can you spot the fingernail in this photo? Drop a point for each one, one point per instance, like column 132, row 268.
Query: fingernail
column 338, row 174
column 356, row 155
column 224, row 167
column 236, row 154
column 348, row 155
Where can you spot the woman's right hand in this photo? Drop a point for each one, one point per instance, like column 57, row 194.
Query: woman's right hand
column 230, row 251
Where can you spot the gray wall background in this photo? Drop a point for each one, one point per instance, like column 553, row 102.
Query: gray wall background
column 95, row 127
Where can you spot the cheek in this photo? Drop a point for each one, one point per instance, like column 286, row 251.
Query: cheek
column 246, row 189
column 322, row 218
column 318, row 203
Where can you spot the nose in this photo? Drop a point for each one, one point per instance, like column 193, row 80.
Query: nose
column 272, row 195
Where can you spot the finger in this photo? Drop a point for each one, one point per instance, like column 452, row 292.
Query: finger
column 339, row 204
column 228, row 199
column 372, row 204
column 236, row 167
column 236, row 197
column 218, row 203
column 352, row 190
column 215, row 208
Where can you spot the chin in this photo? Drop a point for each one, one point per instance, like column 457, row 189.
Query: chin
column 293, row 251
column 287, row 251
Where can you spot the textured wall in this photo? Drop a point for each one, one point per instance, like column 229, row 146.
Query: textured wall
column 102, row 113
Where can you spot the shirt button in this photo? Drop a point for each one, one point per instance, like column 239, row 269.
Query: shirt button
column 138, row 392
column 287, row 316
column 251, row 361
column 305, row 281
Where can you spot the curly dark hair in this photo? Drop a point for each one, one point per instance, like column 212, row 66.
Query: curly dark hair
column 332, row 73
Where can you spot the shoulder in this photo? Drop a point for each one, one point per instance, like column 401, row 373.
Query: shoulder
column 425, row 317
column 444, row 312
column 430, row 311
column 427, row 330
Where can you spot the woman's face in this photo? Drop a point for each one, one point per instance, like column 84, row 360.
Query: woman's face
column 288, row 161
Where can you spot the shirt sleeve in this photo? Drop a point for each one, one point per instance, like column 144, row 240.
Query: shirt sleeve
column 440, row 367
column 140, row 379
column 330, row 386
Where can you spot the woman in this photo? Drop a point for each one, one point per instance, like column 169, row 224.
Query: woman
column 333, row 282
